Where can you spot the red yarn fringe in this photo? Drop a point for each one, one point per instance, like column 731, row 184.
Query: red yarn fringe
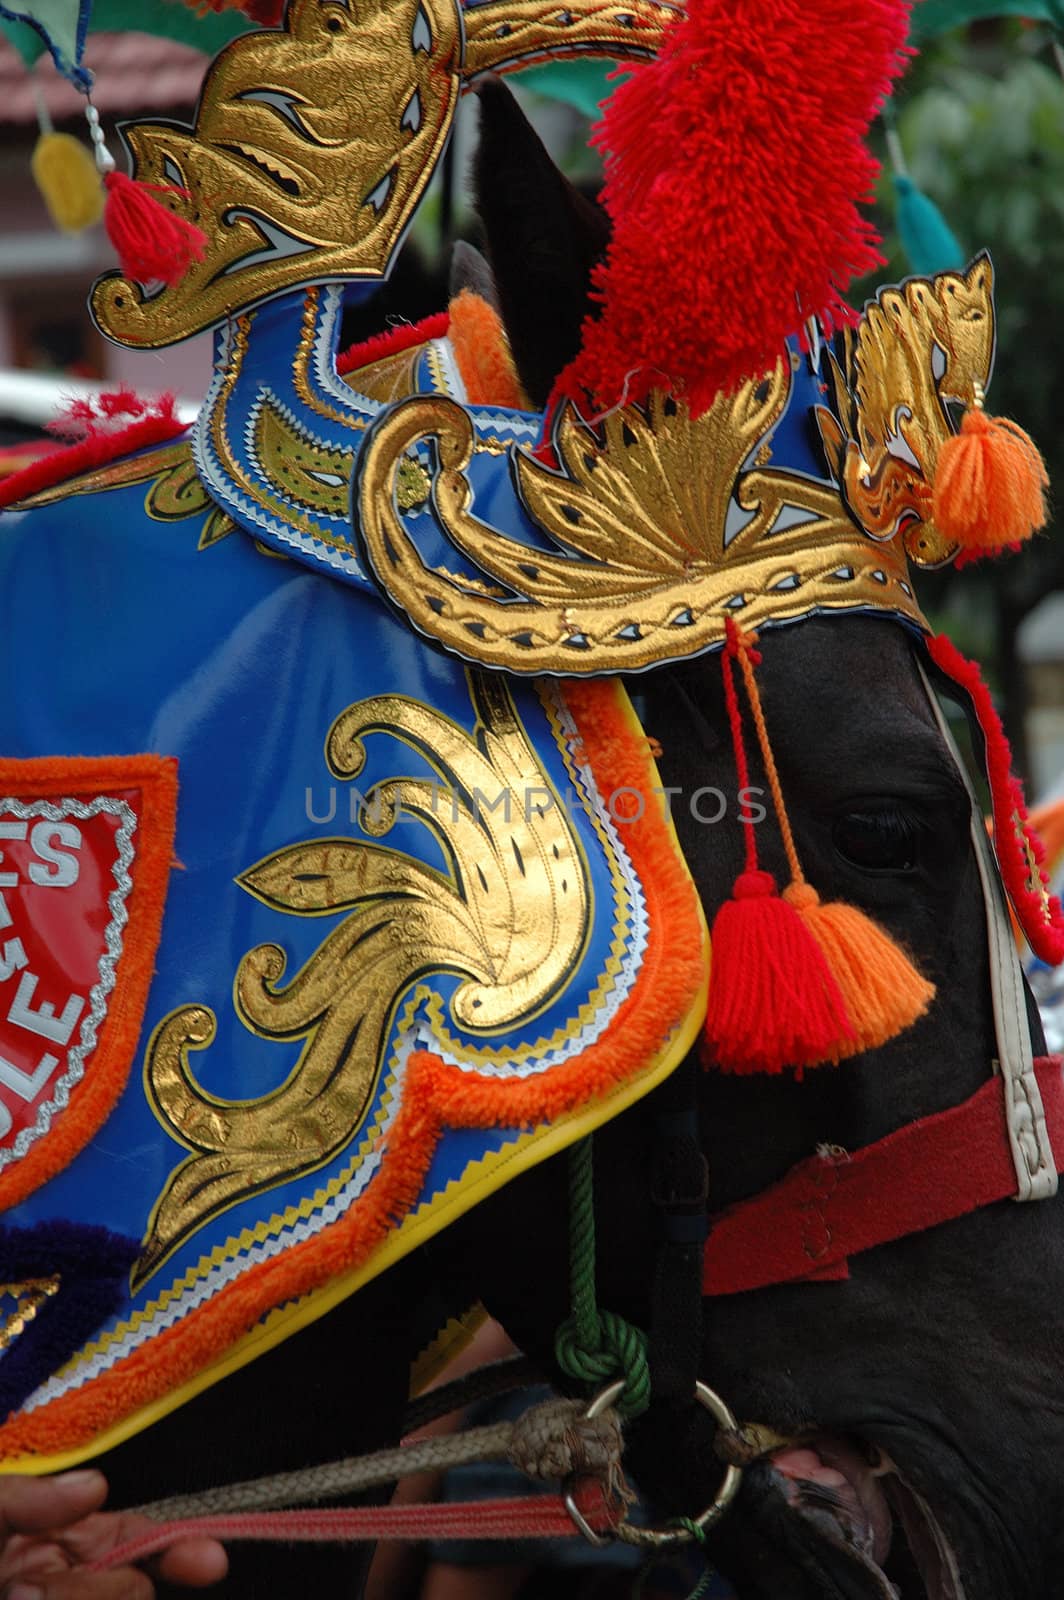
column 154, row 422
column 734, row 165
column 393, row 342
column 1037, row 911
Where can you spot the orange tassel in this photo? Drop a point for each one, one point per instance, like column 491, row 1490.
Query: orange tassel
column 153, row 243
column 990, row 483
column 882, row 990
column 773, row 1002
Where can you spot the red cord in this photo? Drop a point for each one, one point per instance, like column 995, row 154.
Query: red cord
column 735, row 722
column 531, row 1517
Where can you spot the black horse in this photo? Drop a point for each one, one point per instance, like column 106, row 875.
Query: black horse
column 924, row 1390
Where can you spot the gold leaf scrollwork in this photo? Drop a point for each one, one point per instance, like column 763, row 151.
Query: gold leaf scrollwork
column 501, row 33
column 29, row 1295
column 314, row 475
column 174, row 492
column 660, row 532
column 508, row 915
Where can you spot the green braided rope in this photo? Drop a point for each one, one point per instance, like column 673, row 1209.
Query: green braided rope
column 593, row 1346
column 703, row 1583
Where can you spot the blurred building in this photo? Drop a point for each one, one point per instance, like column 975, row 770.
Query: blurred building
column 44, row 274
column 1040, row 643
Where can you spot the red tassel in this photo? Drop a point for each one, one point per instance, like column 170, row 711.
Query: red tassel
column 153, row 243
column 773, row 1002
column 990, row 483
column 735, row 163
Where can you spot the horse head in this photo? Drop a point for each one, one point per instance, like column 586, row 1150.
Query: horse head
column 900, row 1426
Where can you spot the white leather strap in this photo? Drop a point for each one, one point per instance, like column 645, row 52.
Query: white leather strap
column 1032, row 1153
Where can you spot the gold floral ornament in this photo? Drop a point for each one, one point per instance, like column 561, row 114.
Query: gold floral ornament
column 916, row 349
column 508, row 915
column 662, row 532
column 314, row 143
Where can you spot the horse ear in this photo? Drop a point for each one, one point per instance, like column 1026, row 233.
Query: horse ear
column 469, row 270
column 543, row 239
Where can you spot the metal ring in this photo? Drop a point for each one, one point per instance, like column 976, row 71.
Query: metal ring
column 660, row 1538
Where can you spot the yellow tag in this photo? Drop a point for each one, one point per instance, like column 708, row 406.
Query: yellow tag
column 66, row 175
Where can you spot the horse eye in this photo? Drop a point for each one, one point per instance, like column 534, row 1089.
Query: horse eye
column 877, row 839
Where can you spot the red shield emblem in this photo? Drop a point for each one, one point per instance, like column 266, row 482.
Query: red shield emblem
column 85, row 852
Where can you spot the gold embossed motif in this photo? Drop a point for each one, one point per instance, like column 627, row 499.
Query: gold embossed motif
column 20, row 1303
column 661, row 534
column 916, row 349
column 311, row 474
column 508, row 915
column 314, row 143
column 311, row 148
column 500, row 34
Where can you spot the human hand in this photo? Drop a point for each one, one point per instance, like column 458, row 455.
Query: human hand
column 51, row 1527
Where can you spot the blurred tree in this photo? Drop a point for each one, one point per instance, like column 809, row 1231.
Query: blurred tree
column 981, row 120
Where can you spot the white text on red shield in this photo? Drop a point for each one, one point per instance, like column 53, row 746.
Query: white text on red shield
column 55, row 865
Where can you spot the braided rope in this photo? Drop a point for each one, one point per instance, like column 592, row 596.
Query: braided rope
column 549, row 1442
column 593, row 1346
column 333, row 1478
column 744, row 649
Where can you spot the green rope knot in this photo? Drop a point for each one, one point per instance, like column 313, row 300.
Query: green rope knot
column 593, row 1346
column 620, row 1351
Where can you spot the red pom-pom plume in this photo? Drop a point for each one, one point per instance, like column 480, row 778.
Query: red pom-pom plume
column 735, row 162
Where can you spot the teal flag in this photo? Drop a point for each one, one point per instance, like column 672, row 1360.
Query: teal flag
column 932, row 17
column 579, row 83
column 168, row 19
column 61, row 26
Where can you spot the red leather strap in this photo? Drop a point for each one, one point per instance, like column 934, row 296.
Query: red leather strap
column 834, row 1205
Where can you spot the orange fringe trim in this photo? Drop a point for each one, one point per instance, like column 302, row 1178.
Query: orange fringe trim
column 94, row 1098
column 482, row 352
column 436, row 1095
